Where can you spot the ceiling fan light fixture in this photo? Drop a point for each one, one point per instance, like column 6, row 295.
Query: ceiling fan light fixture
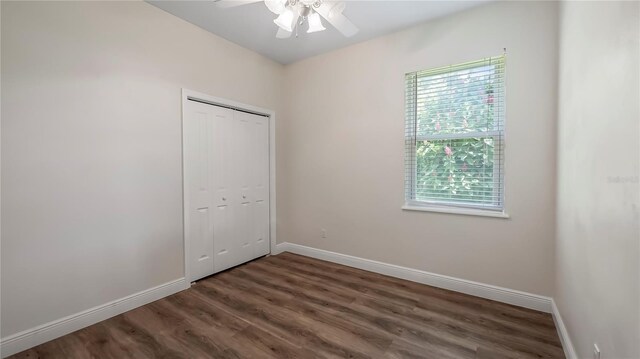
column 276, row 6
column 315, row 23
column 285, row 20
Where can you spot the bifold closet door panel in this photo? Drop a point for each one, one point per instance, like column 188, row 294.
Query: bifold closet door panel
column 254, row 185
column 199, row 122
column 245, row 220
column 260, row 177
column 227, row 160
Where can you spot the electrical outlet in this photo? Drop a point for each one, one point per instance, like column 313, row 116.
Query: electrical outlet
column 323, row 233
column 596, row 351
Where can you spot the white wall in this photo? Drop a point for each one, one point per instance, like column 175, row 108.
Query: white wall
column 598, row 268
column 91, row 148
column 342, row 150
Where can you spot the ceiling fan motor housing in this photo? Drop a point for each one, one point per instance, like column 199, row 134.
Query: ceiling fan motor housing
column 309, row 2
column 304, row 11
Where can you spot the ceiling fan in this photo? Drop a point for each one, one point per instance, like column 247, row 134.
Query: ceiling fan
column 294, row 13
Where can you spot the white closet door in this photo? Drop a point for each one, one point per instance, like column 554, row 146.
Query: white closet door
column 254, row 185
column 226, row 158
column 260, row 184
column 227, row 182
column 245, row 221
column 199, row 123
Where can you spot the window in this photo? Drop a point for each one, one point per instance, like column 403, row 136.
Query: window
column 454, row 136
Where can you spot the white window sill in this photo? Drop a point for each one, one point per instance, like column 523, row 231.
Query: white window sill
column 456, row 210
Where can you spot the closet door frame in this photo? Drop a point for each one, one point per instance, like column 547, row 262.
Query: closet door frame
column 189, row 95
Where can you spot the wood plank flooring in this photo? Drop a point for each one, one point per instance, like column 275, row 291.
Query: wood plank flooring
column 290, row 306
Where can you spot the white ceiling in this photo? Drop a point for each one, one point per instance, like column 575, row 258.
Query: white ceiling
column 252, row 26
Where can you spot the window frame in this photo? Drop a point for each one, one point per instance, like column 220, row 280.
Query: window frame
column 411, row 140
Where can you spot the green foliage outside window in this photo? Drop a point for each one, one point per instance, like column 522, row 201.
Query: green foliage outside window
column 456, row 145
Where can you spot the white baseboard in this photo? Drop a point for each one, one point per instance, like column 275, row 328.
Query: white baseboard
column 563, row 333
column 504, row 295
column 279, row 248
column 57, row 328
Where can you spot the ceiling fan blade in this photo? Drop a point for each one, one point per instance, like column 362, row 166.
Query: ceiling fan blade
column 339, row 21
column 225, row 4
column 284, row 34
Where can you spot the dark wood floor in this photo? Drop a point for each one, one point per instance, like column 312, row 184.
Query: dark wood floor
column 289, row 306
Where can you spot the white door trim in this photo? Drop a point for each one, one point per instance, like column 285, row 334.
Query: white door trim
column 186, row 95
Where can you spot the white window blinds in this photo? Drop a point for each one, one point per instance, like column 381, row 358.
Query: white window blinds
column 454, row 135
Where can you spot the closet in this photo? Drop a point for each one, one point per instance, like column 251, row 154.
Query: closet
column 226, row 174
